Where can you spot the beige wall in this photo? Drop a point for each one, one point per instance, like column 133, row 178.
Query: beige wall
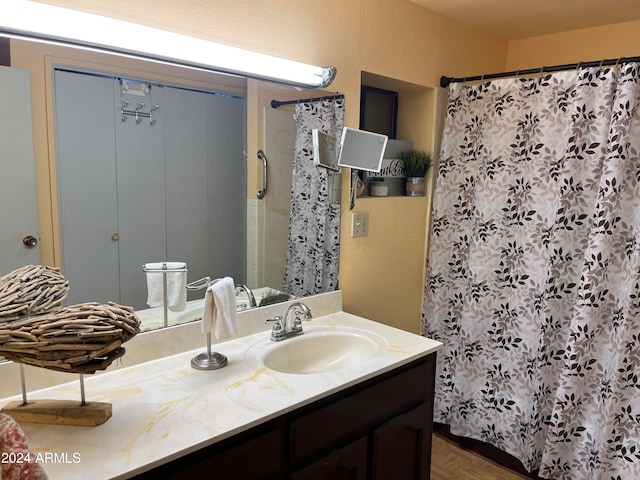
column 589, row 44
column 381, row 275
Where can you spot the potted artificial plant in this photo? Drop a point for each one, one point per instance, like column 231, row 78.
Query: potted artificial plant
column 416, row 164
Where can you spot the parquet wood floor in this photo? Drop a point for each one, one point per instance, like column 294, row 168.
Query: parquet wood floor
column 450, row 462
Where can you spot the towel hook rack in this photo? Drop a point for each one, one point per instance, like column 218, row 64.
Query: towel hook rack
column 263, row 157
column 138, row 113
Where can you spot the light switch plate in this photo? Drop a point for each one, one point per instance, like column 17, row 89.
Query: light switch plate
column 359, row 224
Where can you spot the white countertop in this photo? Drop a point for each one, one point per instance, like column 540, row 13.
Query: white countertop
column 164, row 409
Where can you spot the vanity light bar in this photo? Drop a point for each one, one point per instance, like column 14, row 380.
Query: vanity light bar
column 29, row 20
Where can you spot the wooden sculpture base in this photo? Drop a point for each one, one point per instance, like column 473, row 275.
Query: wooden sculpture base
column 59, row 412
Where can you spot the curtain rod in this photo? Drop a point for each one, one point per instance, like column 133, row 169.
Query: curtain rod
column 446, row 81
column 277, row 103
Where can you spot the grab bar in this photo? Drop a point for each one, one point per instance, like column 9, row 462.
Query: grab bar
column 263, row 157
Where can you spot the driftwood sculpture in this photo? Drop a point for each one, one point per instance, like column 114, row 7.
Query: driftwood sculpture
column 31, row 290
column 80, row 338
column 36, row 330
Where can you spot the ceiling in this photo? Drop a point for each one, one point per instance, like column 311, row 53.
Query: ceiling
column 513, row 19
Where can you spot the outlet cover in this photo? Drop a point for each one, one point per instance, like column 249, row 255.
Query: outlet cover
column 359, row 224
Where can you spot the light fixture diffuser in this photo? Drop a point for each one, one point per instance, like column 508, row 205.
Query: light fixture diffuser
column 37, row 21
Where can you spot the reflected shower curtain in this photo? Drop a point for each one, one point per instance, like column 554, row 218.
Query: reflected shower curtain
column 533, row 277
column 313, row 250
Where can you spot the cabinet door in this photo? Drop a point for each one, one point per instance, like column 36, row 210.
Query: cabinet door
column 356, row 414
column 402, row 447
column 348, row 463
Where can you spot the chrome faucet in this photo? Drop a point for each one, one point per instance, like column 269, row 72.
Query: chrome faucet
column 247, row 290
column 291, row 324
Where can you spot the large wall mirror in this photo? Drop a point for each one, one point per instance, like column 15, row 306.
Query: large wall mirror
column 72, row 88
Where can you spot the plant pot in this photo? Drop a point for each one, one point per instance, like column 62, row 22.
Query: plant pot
column 415, row 186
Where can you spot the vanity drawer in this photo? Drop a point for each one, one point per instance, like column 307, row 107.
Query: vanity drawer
column 348, row 463
column 355, row 414
column 255, row 459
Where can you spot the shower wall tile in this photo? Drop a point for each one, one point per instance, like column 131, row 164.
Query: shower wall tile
column 255, row 243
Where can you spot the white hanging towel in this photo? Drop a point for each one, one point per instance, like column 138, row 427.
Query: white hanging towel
column 176, row 285
column 220, row 315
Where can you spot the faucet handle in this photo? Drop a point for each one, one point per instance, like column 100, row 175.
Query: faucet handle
column 277, row 332
column 278, row 324
column 296, row 326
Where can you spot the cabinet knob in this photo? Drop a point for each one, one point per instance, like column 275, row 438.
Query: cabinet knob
column 115, row 237
column 30, row 241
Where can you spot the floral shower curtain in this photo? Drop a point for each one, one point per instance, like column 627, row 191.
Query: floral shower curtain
column 314, row 222
column 533, row 277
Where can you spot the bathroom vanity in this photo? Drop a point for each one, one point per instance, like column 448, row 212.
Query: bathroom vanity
column 382, row 426
column 359, row 405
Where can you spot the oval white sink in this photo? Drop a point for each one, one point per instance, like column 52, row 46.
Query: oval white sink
column 316, row 351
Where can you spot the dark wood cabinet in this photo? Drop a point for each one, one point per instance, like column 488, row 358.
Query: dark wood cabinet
column 257, row 458
column 379, row 429
column 401, row 448
column 348, row 463
column 356, row 414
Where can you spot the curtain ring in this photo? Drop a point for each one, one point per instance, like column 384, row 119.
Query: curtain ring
column 621, row 63
column 602, row 64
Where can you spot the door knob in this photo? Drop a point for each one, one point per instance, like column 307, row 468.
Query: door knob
column 30, row 241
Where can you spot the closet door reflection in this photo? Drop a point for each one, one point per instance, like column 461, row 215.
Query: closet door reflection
column 86, row 159
column 147, row 188
column 227, row 187
column 186, row 155
column 140, row 182
column 206, row 183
